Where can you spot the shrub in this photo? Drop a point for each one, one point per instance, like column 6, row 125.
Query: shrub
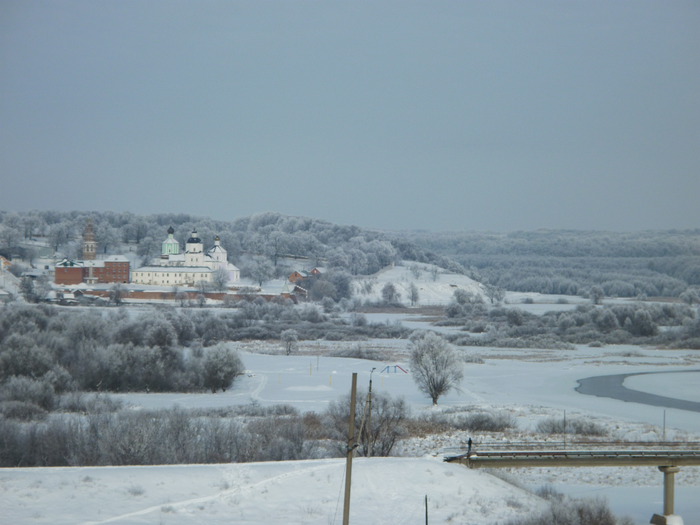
column 583, row 427
column 455, row 418
column 548, row 492
column 20, row 356
column 221, row 366
column 37, row 392
column 358, row 351
column 570, row 426
column 387, row 423
column 574, row 512
column 88, row 403
column 277, row 439
column 485, row 422
column 22, row 410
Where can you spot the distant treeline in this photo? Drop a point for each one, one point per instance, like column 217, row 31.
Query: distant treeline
column 267, row 245
column 650, row 263
column 640, row 323
column 272, row 236
column 563, row 243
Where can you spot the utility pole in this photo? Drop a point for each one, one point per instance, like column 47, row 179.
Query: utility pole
column 368, row 431
column 350, row 450
column 663, row 438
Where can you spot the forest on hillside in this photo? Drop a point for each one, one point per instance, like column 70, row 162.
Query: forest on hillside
column 620, row 264
column 269, row 238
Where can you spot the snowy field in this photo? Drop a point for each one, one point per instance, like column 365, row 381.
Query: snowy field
column 529, row 384
column 385, row 491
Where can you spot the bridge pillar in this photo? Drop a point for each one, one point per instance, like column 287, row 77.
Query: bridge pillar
column 669, row 518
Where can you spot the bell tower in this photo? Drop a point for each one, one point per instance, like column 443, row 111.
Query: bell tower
column 89, row 243
column 194, row 250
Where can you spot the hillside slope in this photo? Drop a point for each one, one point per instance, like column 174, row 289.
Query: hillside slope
column 384, row 491
column 436, row 286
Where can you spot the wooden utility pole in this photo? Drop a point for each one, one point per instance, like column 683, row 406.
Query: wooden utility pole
column 368, row 429
column 350, row 450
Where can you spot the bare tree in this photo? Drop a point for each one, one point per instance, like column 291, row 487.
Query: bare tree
column 26, row 287
column 106, row 235
column 597, row 294
column 390, row 295
column 290, row 339
column 388, row 422
column 117, row 293
column 435, row 273
column 259, row 269
column 322, row 288
column 59, row 235
column 413, row 294
column 220, row 279
column 435, row 366
column 9, row 237
column 494, row 293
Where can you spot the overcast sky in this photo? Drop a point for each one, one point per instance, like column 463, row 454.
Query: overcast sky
column 439, row 115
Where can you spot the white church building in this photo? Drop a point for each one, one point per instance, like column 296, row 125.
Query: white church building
column 190, row 268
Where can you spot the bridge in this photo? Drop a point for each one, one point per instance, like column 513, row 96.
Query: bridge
column 667, row 456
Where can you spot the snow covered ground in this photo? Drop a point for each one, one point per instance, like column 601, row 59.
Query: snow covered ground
column 385, row 491
column 435, row 285
column 529, row 384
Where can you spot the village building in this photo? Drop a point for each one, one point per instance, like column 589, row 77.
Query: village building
column 190, row 268
column 302, row 275
column 114, row 269
column 90, row 270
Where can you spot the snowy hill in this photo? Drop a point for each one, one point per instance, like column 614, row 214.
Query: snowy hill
column 436, row 286
column 384, row 491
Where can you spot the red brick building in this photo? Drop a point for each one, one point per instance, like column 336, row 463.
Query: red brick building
column 68, row 272
column 114, row 269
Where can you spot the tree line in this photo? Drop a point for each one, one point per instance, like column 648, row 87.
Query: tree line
column 630, row 264
column 669, row 325
column 47, row 350
column 267, row 244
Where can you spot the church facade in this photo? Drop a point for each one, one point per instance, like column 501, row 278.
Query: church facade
column 194, row 266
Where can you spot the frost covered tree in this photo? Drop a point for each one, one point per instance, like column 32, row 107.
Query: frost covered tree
column 221, row 278
column 290, row 339
column 221, row 366
column 413, row 294
column 26, row 288
column 259, row 269
column 494, row 293
column 116, row 294
column 387, row 421
column 691, row 296
column 435, row 366
column 390, row 294
column 322, row 288
column 597, row 294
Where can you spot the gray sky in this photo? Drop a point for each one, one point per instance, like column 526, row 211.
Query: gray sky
column 440, row 115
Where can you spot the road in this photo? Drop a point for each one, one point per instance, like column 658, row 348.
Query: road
column 613, row 386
